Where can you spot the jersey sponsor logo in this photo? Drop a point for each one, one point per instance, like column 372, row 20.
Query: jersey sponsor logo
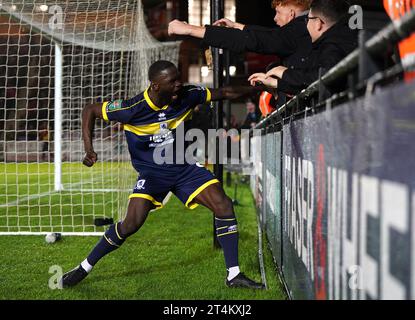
column 114, row 105
column 163, row 137
column 140, row 184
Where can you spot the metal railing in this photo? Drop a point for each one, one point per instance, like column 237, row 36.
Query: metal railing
column 391, row 34
column 350, row 143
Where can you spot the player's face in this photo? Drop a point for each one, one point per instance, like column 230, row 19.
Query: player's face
column 170, row 85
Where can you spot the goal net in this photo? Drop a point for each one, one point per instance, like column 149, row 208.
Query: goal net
column 56, row 57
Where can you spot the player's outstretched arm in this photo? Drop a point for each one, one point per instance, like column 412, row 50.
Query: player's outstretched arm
column 232, row 93
column 89, row 113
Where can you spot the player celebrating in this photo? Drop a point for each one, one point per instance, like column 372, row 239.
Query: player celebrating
column 150, row 121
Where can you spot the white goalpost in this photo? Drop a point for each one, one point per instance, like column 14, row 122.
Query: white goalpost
column 55, row 57
column 57, row 137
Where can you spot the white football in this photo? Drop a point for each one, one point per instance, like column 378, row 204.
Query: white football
column 50, row 238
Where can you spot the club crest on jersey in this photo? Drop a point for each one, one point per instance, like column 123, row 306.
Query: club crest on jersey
column 163, row 126
column 140, row 184
column 114, row 105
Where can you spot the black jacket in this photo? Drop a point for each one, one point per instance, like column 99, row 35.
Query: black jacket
column 335, row 44
column 291, row 42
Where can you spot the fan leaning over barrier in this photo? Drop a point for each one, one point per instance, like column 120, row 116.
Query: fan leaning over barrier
column 332, row 41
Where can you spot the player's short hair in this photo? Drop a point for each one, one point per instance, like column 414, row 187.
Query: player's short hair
column 157, row 67
column 331, row 10
column 301, row 4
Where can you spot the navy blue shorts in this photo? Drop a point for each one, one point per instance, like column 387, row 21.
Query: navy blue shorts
column 186, row 184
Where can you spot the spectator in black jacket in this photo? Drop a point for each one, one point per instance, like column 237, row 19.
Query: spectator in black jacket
column 332, row 41
column 290, row 40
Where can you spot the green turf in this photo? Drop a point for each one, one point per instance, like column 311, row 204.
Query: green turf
column 40, row 208
column 171, row 257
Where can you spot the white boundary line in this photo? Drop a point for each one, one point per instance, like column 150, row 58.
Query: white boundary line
column 30, row 233
column 31, row 197
column 44, row 194
column 26, row 198
column 98, row 190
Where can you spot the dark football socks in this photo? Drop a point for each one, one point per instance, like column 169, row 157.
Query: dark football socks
column 227, row 233
column 111, row 241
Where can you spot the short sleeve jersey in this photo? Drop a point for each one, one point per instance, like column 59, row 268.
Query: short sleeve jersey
column 148, row 126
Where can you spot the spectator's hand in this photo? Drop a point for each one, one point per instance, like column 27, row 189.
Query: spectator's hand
column 229, row 23
column 276, row 72
column 90, row 158
column 180, row 28
column 261, row 78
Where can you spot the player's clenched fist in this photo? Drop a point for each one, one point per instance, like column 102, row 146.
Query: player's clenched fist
column 90, row 158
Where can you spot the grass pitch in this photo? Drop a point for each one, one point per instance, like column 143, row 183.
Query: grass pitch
column 171, row 257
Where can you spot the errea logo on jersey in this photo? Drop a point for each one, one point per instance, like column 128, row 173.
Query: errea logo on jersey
column 162, row 116
column 140, row 184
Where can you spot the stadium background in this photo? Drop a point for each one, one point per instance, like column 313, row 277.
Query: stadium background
column 344, row 214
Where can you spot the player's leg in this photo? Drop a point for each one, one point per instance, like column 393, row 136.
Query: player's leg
column 114, row 237
column 197, row 185
column 214, row 198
